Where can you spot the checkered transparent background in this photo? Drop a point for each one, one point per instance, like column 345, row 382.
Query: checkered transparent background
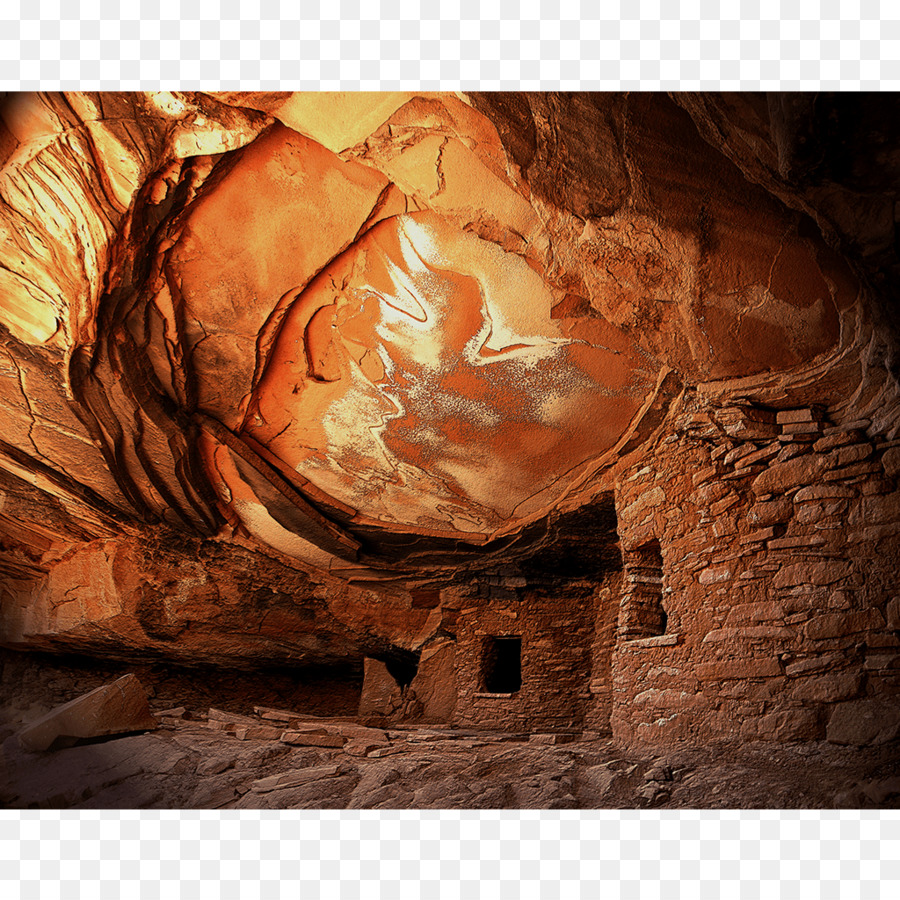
column 452, row 855
column 493, row 44
column 490, row 44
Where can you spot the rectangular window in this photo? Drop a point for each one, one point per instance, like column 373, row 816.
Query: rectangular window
column 501, row 665
column 642, row 614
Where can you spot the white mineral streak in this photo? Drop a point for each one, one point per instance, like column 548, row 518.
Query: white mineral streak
column 371, row 425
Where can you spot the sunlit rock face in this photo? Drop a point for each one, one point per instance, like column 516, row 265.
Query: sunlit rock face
column 385, row 354
column 420, row 380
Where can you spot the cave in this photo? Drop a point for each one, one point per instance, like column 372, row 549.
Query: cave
column 531, row 433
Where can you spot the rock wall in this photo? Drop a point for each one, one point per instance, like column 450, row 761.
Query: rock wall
column 778, row 532
column 199, row 602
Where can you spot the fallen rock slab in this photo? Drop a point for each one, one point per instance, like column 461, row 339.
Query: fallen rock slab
column 280, row 715
column 229, row 718
column 292, row 779
column 356, row 732
column 258, row 732
column 289, row 715
column 118, row 708
column 171, row 720
column 355, row 747
column 317, row 734
column 381, row 752
column 318, row 738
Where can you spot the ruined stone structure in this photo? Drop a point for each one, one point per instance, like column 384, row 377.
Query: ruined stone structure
column 545, row 412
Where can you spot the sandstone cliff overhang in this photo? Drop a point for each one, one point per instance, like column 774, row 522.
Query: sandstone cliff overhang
column 295, row 377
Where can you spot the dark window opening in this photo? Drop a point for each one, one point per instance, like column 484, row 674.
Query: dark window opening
column 402, row 670
column 502, row 665
column 643, row 614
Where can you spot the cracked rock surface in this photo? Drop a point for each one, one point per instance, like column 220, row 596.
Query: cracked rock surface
column 258, row 757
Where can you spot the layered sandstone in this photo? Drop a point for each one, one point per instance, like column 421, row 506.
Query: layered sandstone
column 597, row 387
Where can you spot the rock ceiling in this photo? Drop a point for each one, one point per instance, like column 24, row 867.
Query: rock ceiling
column 344, row 331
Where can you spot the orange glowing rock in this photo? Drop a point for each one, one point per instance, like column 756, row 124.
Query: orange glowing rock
column 419, row 378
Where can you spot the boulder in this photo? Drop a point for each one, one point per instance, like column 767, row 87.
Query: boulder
column 117, row 708
column 381, row 694
column 864, row 722
column 435, row 682
column 313, row 738
column 598, row 781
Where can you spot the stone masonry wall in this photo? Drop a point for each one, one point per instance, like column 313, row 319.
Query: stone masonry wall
column 607, row 604
column 779, row 540
column 556, row 631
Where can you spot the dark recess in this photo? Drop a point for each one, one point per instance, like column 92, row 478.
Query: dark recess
column 502, row 665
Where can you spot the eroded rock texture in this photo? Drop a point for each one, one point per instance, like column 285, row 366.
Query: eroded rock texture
column 565, row 411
